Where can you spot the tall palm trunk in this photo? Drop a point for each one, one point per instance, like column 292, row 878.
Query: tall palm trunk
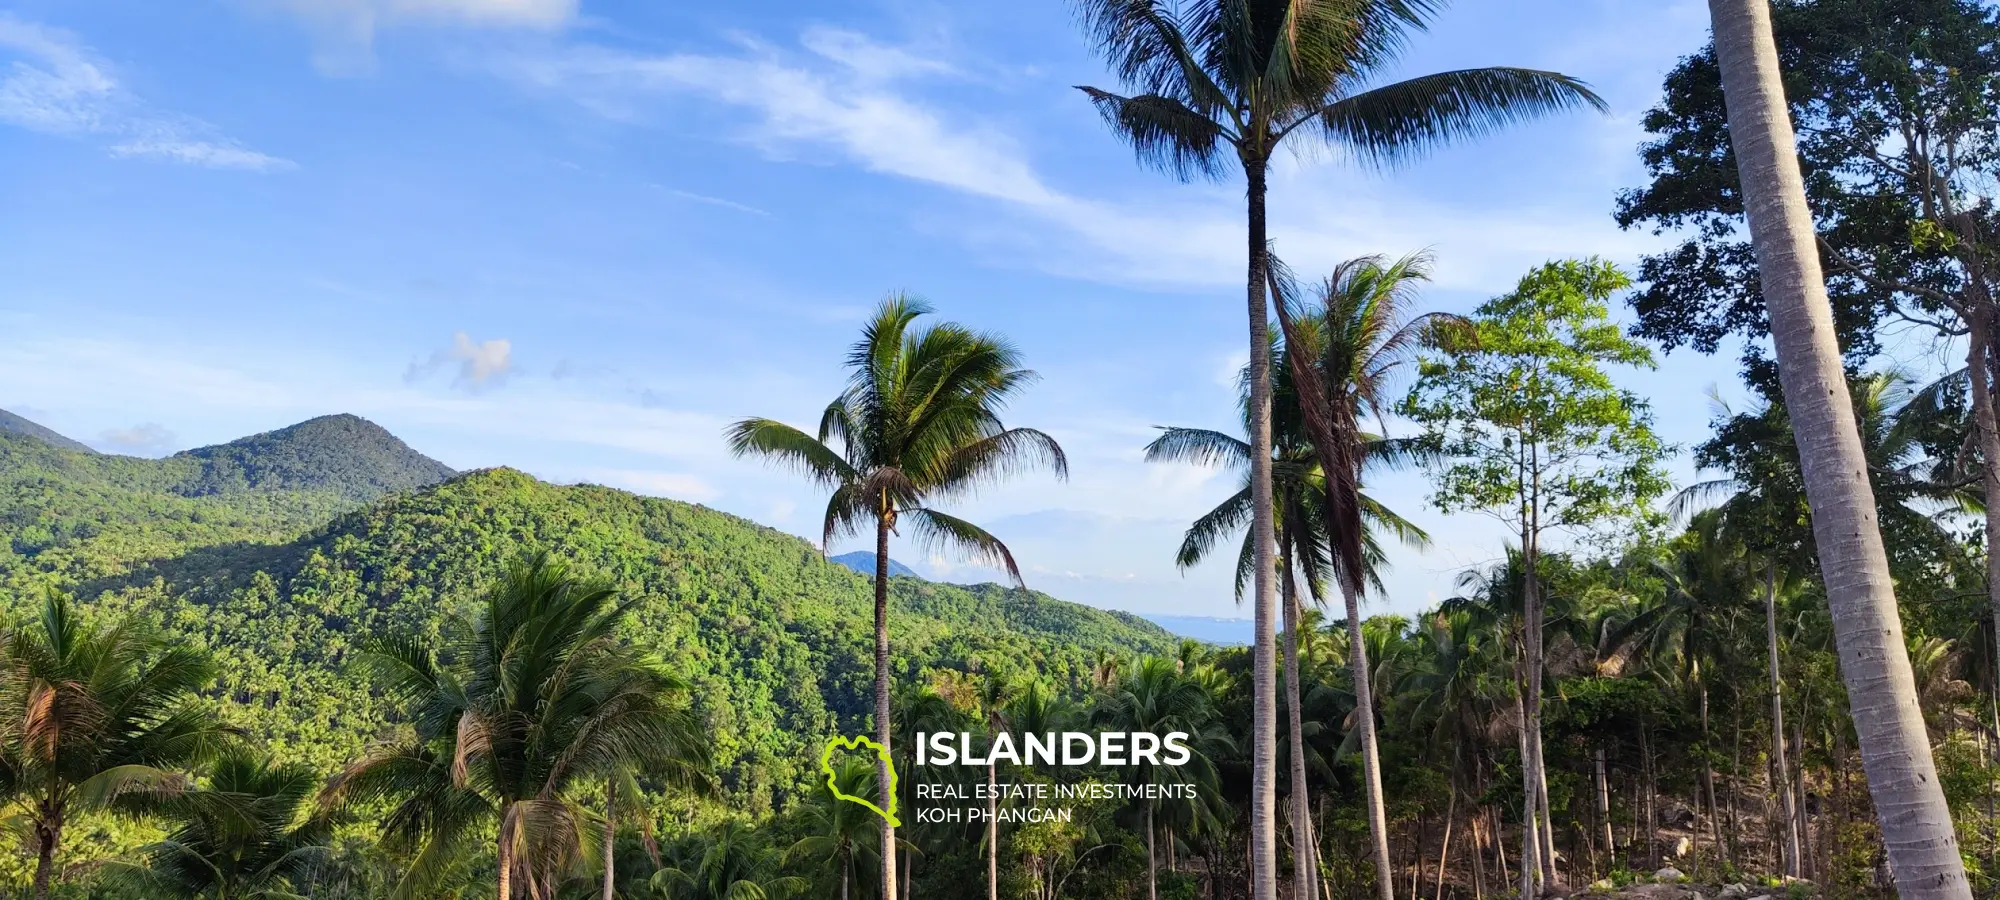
column 48, row 838
column 883, row 521
column 993, row 830
column 1371, row 763
column 1304, row 887
column 1917, row 828
column 1152, row 864
column 1781, row 778
column 610, row 837
column 1264, row 718
column 504, row 853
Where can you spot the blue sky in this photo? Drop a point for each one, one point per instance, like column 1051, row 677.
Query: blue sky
column 579, row 239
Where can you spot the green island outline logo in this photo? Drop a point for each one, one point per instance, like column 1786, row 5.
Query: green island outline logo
column 881, row 753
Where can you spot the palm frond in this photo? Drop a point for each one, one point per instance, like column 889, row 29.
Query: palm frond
column 1395, row 122
column 934, row 529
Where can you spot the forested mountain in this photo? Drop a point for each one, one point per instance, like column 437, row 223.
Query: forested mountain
column 283, row 573
column 342, row 454
column 13, row 424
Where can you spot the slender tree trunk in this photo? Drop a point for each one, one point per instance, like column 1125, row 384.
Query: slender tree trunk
column 882, row 724
column 1371, row 762
column 1781, row 783
column 1444, row 850
column 1264, row 682
column 1736, row 779
column 1604, row 810
column 1304, row 886
column 1708, row 784
column 610, row 837
column 1917, row 828
column 1531, row 842
column 1801, row 824
column 1477, row 823
column 1152, row 864
column 1979, row 365
column 505, row 858
column 993, row 830
column 846, row 873
column 48, row 839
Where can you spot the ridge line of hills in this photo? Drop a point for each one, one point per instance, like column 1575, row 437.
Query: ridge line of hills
column 283, row 553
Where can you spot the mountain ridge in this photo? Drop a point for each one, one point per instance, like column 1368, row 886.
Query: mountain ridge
column 285, row 575
column 16, row 424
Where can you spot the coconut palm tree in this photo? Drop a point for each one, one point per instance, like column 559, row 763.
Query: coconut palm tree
column 920, row 708
column 1299, row 490
column 93, row 716
column 1211, row 83
column 248, row 833
column 918, row 423
column 1158, row 698
column 1917, row 827
column 840, row 833
column 996, row 694
column 1344, row 348
column 511, row 718
column 733, row 864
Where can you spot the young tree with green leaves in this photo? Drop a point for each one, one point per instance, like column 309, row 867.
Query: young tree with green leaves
column 1221, row 85
column 918, row 423
column 521, row 708
column 1530, row 428
column 96, row 716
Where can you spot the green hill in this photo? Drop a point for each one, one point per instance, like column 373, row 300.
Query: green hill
column 344, row 455
column 13, row 424
column 284, row 584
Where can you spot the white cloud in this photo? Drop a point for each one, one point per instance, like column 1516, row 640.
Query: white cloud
column 479, row 365
column 845, row 101
column 54, row 85
column 144, row 438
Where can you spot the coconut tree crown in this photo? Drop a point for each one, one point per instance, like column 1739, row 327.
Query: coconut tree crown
column 1216, row 77
column 919, row 422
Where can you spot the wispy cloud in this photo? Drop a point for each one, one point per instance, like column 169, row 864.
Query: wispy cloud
column 144, row 438
column 714, row 201
column 55, row 85
column 478, row 365
column 843, row 97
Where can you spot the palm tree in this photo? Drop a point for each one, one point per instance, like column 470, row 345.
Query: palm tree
column 734, row 865
column 919, row 709
column 246, row 834
column 1762, row 506
column 996, row 692
column 919, row 422
column 95, row 716
column 1157, row 697
column 520, row 709
column 1343, row 351
column 1212, row 80
column 839, row 831
column 1916, row 823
